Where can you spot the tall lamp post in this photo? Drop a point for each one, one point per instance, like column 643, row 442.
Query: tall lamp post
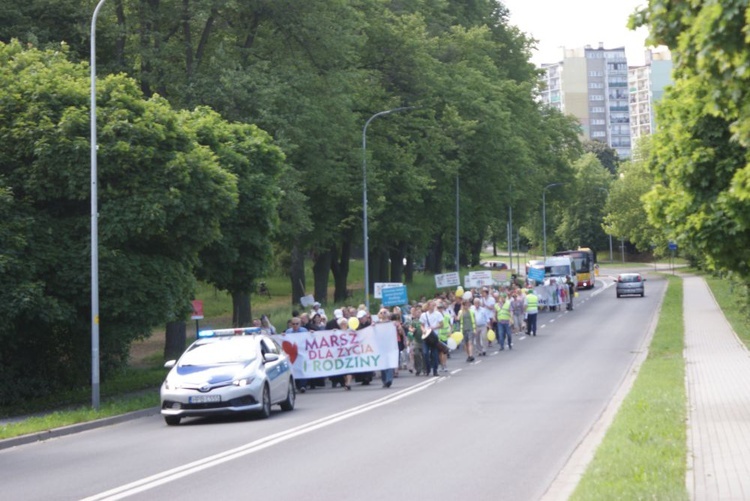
column 544, row 215
column 94, row 224
column 610, row 235
column 457, row 224
column 364, row 196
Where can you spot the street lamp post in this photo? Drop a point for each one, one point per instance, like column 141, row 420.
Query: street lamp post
column 364, row 196
column 457, row 224
column 544, row 215
column 94, row 224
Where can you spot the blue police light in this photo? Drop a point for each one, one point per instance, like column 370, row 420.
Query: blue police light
column 242, row 331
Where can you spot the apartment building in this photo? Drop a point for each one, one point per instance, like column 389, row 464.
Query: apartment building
column 592, row 85
column 647, row 84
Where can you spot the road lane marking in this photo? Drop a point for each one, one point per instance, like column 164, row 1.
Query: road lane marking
column 173, row 474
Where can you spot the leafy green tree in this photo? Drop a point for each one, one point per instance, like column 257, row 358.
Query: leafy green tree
column 626, row 215
column 243, row 253
column 582, row 212
column 700, row 157
column 606, row 154
column 161, row 198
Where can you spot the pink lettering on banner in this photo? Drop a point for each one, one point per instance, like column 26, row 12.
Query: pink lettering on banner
column 337, row 352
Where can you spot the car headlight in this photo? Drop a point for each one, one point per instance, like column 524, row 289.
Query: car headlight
column 243, row 381
column 168, row 385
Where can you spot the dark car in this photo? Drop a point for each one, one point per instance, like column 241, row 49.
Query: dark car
column 630, row 284
column 497, row 265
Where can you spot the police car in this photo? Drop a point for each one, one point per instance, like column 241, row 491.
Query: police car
column 228, row 371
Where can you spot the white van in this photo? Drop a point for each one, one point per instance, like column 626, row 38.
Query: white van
column 560, row 267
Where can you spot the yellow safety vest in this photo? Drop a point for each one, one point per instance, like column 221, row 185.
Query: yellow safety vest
column 532, row 302
column 503, row 312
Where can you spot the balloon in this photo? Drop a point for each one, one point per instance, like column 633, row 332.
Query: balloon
column 353, row 323
column 467, row 296
column 452, row 345
column 460, row 291
column 457, row 337
column 491, row 335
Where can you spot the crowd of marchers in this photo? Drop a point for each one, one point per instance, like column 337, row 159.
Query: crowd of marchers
column 431, row 331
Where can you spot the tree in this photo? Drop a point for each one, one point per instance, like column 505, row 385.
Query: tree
column 700, row 156
column 626, row 215
column 607, row 155
column 582, row 212
column 151, row 174
column 243, row 252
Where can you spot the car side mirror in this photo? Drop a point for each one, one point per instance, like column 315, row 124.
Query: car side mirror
column 169, row 364
column 270, row 357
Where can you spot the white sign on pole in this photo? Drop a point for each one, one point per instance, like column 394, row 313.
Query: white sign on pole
column 379, row 286
column 447, row 280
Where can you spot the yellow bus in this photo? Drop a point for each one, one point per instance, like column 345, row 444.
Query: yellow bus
column 584, row 260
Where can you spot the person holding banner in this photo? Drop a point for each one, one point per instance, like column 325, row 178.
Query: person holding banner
column 295, row 325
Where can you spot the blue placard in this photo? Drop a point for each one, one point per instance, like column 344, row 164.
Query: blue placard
column 672, row 246
column 395, row 296
column 536, row 274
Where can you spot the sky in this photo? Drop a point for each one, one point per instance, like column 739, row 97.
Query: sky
column 575, row 23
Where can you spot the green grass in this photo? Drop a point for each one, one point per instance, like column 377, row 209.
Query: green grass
column 109, row 407
column 723, row 292
column 643, row 455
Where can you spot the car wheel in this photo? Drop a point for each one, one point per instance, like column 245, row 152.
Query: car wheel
column 288, row 404
column 643, row 294
column 618, row 295
column 265, row 411
column 172, row 420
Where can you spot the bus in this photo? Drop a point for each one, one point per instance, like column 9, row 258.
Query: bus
column 584, row 260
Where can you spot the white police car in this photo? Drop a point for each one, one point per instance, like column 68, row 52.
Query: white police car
column 228, row 371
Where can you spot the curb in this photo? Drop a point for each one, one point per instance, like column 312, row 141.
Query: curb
column 75, row 428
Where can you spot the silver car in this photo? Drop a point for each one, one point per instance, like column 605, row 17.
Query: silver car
column 630, row 283
column 225, row 372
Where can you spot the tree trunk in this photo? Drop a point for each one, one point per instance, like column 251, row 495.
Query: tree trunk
column 241, row 312
column 321, row 269
column 297, row 274
column 409, row 268
column 175, row 340
column 435, row 256
column 340, row 269
column 397, row 262
column 383, row 268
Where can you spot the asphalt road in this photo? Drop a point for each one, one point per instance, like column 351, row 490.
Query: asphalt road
column 500, row 428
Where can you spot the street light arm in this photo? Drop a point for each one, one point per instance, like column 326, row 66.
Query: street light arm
column 364, row 196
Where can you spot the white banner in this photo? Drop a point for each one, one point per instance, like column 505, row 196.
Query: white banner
column 379, row 286
column 447, row 280
column 333, row 353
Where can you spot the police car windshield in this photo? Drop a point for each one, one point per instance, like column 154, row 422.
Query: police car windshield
column 231, row 350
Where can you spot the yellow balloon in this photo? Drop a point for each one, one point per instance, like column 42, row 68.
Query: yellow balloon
column 353, row 323
column 491, row 335
column 457, row 337
column 460, row 291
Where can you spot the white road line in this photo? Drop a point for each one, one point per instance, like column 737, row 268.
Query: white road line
column 209, row 462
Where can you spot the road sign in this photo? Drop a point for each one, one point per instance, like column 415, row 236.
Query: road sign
column 394, row 296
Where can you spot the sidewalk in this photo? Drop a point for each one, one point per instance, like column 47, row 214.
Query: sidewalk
column 718, row 386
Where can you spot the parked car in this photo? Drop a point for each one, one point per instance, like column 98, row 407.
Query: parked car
column 630, row 284
column 497, row 265
column 228, row 371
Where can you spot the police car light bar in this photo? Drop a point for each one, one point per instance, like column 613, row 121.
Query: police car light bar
column 242, row 331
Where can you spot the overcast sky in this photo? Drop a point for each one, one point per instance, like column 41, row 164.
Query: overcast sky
column 575, row 23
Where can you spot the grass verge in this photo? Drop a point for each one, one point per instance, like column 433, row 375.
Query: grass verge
column 643, row 453
column 724, row 293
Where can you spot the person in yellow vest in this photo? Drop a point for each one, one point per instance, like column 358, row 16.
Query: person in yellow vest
column 532, row 309
column 503, row 323
column 467, row 323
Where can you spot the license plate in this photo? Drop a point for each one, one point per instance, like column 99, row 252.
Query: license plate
column 205, row 399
